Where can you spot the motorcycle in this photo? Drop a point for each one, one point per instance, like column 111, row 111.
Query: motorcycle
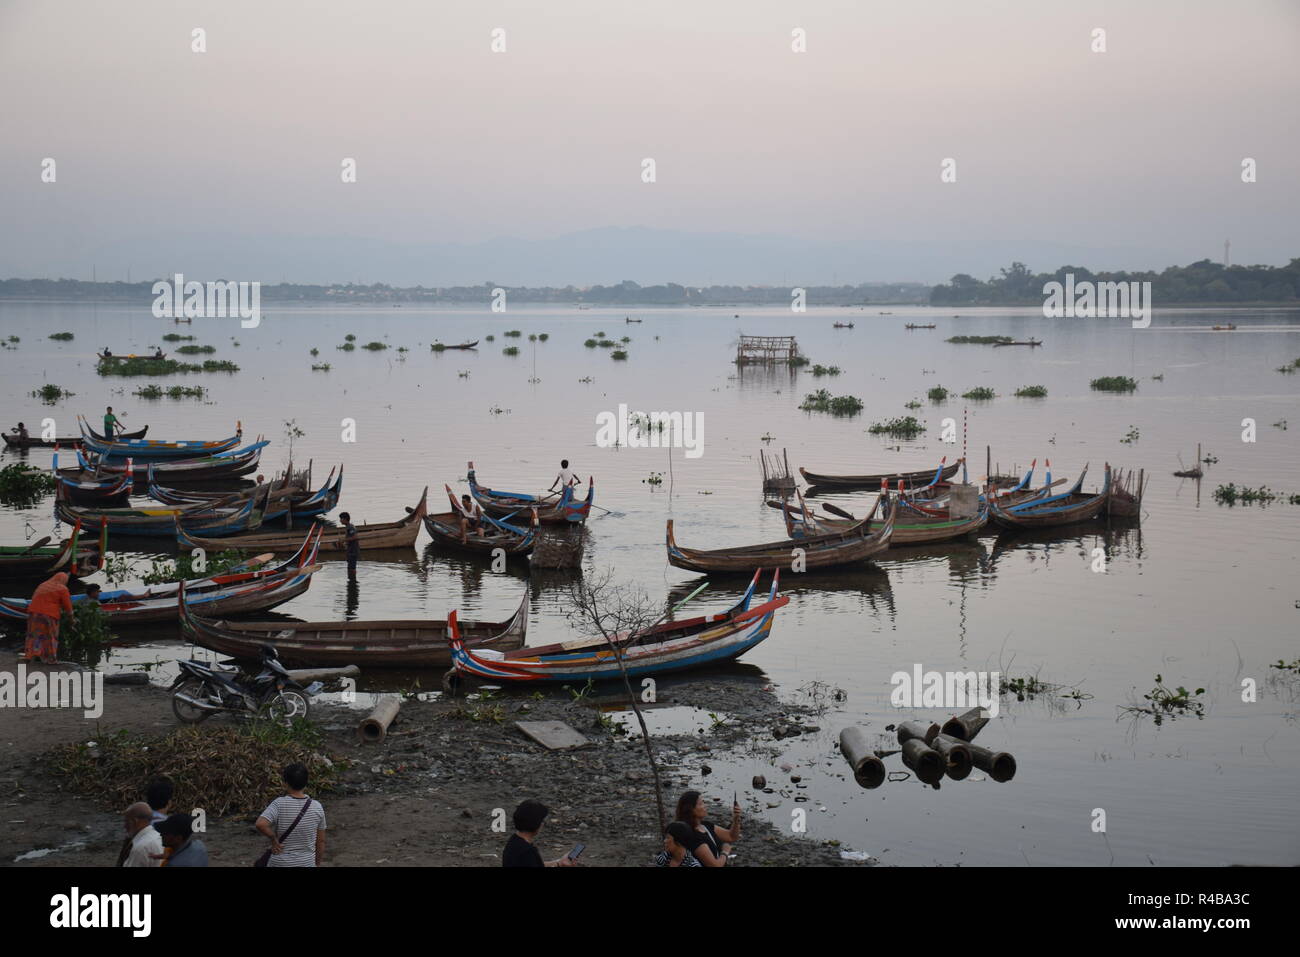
column 202, row 689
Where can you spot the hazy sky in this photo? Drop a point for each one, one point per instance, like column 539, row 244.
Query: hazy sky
column 164, row 154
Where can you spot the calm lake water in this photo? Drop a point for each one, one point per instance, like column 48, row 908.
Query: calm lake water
column 1202, row 594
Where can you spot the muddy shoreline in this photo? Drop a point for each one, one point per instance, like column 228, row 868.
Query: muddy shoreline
column 429, row 794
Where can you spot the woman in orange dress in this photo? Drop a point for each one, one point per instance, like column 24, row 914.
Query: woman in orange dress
column 47, row 606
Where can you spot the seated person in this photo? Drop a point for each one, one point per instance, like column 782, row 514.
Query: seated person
column 675, row 854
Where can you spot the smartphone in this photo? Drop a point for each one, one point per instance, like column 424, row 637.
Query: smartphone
column 577, row 849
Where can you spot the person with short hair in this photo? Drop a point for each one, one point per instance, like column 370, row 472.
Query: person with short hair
column 143, row 846
column 110, row 423
column 566, row 478
column 708, row 842
column 92, row 592
column 296, row 830
column 352, row 544
column 182, row 847
column 158, row 794
column 521, row 849
column 675, row 854
column 21, row 431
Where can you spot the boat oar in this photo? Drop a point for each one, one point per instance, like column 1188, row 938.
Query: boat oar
column 836, row 510
column 690, row 596
column 35, row 545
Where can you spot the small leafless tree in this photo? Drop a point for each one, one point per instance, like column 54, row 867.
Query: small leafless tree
column 602, row 608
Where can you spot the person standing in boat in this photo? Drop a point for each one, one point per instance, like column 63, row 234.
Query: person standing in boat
column 566, row 478
column 21, row 432
column 352, row 544
column 110, row 423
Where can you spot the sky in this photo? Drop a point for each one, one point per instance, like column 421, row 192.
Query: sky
column 474, row 165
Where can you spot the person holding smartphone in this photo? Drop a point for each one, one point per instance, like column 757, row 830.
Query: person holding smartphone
column 710, row 842
column 521, row 849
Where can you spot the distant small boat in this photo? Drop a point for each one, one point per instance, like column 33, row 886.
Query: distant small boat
column 916, row 325
column 1020, row 342
column 843, row 325
column 442, row 347
column 1228, row 328
column 630, row 319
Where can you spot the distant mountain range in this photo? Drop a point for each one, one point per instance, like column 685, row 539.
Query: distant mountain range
column 596, row 256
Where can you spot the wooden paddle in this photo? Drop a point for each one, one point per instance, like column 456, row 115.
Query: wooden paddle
column 35, row 545
column 836, row 510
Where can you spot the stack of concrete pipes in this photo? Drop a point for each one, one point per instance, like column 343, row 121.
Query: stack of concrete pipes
column 930, row 751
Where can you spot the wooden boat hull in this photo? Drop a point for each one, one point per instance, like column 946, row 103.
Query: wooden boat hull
column 226, row 465
column 67, row 442
column 152, row 450
column 836, row 549
column 1070, row 508
column 369, row 644
column 565, row 511
column 909, row 479
column 162, row 522
column 385, row 535
column 463, row 345
column 906, row 532
column 276, row 503
column 674, row 646
column 444, row 528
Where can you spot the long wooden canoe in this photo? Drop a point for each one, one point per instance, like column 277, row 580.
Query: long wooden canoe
column 443, row 347
column 399, row 534
column 72, row 555
column 245, row 588
column 909, row 479
column 275, row 500
column 155, row 449
column 204, row 468
column 33, row 441
column 914, row 529
column 493, row 533
column 1068, row 508
column 92, row 490
column 562, row 511
column 672, row 646
column 835, row 549
column 157, row 522
column 418, row 643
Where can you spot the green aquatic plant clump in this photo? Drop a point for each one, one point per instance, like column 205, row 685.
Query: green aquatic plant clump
column 938, row 394
column 50, row 394
column 1032, row 392
column 62, row 336
column 1114, row 383
column 906, row 427
column 510, row 351
column 840, row 405
column 196, row 350
column 22, row 486
column 981, row 393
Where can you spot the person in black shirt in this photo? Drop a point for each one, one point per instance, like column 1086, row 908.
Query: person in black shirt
column 352, row 543
column 710, row 843
column 520, row 850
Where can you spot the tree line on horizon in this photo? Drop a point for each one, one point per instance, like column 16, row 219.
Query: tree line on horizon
column 1201, row 282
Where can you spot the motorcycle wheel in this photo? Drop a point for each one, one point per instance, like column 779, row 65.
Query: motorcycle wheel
column 187, row 713
column 287, row 707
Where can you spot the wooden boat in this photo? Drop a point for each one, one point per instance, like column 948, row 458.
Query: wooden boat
column 444, row 528
column 909, row 479
column 12, row 439
column 420, row 643
column 154, row 449
column 42, row 560
column 933, row 499
column 110, row 357
column 222, row 465
column 561, row 511
column 248, row 587
column 629, row 319
column 1228, row 328
column 201, row 520
column 92, row 490
column 443, row 347
column 1067, row 508
column 333, row 543
column 847, row 546
column 1022, row 342
column 917, row 325
column 801, row 523
column 671, row 646
column 280, row 500
column 843, row 325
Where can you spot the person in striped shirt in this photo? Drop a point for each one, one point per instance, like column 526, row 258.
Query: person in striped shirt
column 675, row 853
column 294, row 845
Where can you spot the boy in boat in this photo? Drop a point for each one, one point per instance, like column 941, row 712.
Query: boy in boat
column 471, row 519
column 110, row 422
column 352, row 544
column 565, row 479
column 21, row 432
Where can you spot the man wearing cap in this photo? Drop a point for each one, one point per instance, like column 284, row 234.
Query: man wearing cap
column 177, row 833
column 521, row 849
